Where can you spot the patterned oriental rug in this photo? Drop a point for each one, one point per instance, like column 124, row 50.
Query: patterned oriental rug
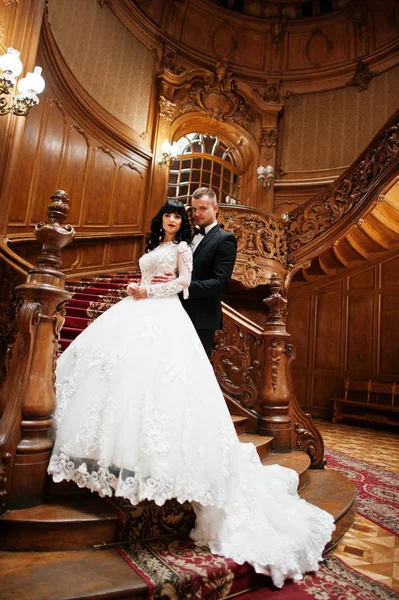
column 175, row 569
column 377, row 490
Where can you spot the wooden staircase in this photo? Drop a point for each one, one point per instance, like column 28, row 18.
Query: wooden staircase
column 48, row 551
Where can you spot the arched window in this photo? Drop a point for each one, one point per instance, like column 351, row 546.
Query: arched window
column 204, row 161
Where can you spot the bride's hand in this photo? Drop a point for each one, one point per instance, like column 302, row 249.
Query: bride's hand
column 132, row 287
column 140, row 293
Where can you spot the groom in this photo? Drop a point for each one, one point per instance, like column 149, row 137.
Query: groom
column 214, row 254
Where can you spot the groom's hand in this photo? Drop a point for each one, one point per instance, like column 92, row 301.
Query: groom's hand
column 167, row 276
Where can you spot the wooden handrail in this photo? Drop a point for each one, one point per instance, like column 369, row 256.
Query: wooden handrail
column 315, row 225
column 27, row 397
column 253, row 368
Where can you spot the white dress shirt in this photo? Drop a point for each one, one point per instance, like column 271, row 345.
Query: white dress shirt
column 199, row 237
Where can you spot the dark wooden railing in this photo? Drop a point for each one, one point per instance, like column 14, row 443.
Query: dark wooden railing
column 27, row 398
column 253, row 367
column 315, row 225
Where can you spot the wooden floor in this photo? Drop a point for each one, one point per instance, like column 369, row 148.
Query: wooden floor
column 367, row 547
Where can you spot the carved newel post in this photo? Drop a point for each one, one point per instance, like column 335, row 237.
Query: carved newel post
column 275, row 396
column 40, row 320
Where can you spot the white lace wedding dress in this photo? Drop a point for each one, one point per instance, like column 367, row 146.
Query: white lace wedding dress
column 140, row 415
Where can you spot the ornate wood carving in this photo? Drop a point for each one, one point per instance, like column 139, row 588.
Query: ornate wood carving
column 166, row 109
column 292, row 48
column 358, row 12
column 278, row 29
column 272, row 92
column 362, row 76
column 217, row 97
column 238, row 363
column 28, row 395
column 274, row 417
column 309, row 221
column 312, row 443
column 258, row 234
column 171, row 63
column 276, row 303
column 9, row 305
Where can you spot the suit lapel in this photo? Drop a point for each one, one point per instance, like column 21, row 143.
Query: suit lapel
column 206, row 240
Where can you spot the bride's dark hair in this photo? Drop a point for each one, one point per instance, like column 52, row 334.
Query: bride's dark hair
column 156, row 235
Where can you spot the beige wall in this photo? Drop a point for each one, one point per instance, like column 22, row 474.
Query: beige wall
column 109, row 63
column 330, row 129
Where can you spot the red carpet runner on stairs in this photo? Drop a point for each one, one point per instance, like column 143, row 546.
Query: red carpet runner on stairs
column 91, row 298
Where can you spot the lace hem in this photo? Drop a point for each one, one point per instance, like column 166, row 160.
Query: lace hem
column 107, row 480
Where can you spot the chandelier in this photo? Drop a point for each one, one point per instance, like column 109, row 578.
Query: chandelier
column 28, row 87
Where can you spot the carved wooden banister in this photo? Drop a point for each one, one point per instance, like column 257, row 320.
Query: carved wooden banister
column 262, row 243
column 315, row 225
column 253, row 367
column 27, row 398
column 274, row 418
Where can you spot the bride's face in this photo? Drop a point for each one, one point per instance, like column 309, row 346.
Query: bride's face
column 171, row 223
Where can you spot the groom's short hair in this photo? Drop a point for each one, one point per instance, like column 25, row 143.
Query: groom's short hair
column 205, row 191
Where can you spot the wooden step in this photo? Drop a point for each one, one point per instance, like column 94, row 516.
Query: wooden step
column 240, row 423
column 103, row 574
column 74, row 522
column 298, row 461
column 75, row 575
column 336, row 494
column 262, row 443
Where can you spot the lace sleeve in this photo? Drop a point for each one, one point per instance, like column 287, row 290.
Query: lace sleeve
column 183, row 280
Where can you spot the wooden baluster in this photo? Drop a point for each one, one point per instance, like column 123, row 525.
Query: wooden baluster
column 40, row 320
column 274, row 417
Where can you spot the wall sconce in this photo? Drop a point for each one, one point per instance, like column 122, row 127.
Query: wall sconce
column 169, row 153
column 265, row 175
column 28, row 87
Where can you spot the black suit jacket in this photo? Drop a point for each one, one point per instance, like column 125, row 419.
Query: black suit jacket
column 213, row 263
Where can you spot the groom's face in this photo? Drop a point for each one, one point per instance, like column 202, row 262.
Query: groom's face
column 204, row 211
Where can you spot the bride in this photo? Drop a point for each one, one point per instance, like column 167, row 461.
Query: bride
column 140, row 415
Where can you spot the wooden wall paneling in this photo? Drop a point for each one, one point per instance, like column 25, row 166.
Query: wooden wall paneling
column 389, row 272
column 122, row 252
column 322, row 45
column 364, row 280
column 387, row 359
column 300, row 382
column 388, row 366
column 22, row 186
column 328, row 331
column 92, row 254
column 385, row 22
column 49, row 160
column 324, row 386
column 20, row 25
column 129, row 196
column 98, row 192
column 299, row 308
column 70, row 257
column 73, row 170
column 360, row 333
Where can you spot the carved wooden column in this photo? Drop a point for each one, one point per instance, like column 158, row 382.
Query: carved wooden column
column 29, row 393
column 275, row 395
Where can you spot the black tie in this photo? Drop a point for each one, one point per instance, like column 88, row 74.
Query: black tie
column 200, row 230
